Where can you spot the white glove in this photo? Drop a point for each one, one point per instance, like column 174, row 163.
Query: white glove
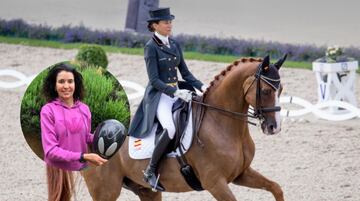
column 183, row 94
column 204, row 87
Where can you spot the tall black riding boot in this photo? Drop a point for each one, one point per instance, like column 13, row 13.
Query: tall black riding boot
column 150, row 172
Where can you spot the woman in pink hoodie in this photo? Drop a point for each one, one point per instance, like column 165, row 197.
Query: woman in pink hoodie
column 65, row 130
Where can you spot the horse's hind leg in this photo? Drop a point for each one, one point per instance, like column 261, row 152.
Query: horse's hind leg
column 145, row 194
column 221, row 191
column 253, row 179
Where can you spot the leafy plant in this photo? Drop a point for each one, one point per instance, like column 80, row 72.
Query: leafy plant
column 31, row 104
column 105, row 97
column 92, row 55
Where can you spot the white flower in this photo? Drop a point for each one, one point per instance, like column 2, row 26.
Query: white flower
column 333, row 51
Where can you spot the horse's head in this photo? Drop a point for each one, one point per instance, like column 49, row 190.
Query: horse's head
column 262, row 92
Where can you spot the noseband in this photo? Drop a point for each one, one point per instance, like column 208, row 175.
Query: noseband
column 258, row 112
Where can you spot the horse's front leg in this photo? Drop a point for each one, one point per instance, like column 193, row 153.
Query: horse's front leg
column 104, row 182
column 253, row 179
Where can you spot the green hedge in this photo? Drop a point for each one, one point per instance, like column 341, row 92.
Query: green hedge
column 105, row 97
column 31, row 105
column 103, row 94
column 92, row 55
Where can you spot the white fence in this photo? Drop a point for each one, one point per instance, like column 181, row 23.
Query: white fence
column 323, row 110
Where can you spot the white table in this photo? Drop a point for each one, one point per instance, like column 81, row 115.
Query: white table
column 336, row 81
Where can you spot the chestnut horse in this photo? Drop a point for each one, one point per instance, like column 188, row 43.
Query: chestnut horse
column 227, row 150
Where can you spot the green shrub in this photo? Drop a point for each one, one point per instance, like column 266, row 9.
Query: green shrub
column 31, row 105
column 103, row 94
column 92, row 55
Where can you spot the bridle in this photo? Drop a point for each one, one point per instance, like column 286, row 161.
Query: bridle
column 259, row 111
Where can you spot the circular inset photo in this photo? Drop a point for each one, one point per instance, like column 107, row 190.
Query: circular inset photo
column 74, row 114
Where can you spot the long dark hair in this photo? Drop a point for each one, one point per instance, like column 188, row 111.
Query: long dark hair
column 61, row 184
column 49, row 86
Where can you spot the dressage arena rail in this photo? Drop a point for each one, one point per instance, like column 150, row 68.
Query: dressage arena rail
column 24, row 80
column 321, row 110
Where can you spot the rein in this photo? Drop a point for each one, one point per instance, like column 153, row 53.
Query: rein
column 258, row 112
column 238, row 114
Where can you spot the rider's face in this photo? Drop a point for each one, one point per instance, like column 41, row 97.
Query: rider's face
column 164, row 27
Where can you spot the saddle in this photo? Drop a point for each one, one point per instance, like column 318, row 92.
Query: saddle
column 181, row 113
column 185, row 169
column 187, row 119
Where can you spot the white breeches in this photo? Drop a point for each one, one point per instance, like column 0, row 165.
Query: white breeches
column 164, row 113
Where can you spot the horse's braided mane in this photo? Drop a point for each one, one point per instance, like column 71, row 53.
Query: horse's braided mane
column 222, row 74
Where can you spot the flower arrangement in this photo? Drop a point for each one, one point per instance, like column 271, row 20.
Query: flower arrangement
column 333, row 52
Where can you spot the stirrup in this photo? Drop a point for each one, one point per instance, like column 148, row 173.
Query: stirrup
column 153, row 188
column 157, row 186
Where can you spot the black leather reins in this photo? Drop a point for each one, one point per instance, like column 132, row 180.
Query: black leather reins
column 258, row 112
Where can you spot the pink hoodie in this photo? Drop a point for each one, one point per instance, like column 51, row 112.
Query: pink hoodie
column 65, row 133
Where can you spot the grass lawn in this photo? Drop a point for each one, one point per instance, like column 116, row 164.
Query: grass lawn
column 135, row 51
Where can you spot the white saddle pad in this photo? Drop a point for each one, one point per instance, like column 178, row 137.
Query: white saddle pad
column 144, row 147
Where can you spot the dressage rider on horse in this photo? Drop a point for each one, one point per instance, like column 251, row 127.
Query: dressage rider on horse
column 163, row 57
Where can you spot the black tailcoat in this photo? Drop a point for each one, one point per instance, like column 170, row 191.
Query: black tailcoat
column 162, row 64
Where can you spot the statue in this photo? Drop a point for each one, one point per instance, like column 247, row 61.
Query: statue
column 137, row 14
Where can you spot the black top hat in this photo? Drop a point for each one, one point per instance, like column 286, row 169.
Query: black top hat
column 160, row 14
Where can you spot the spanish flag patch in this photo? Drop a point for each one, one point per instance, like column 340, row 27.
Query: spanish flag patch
column 137, row 144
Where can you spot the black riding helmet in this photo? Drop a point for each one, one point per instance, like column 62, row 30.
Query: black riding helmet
column 108, row 138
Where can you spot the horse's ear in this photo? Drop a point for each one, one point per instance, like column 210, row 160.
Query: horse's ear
column 265, row 63
column 280, row 62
